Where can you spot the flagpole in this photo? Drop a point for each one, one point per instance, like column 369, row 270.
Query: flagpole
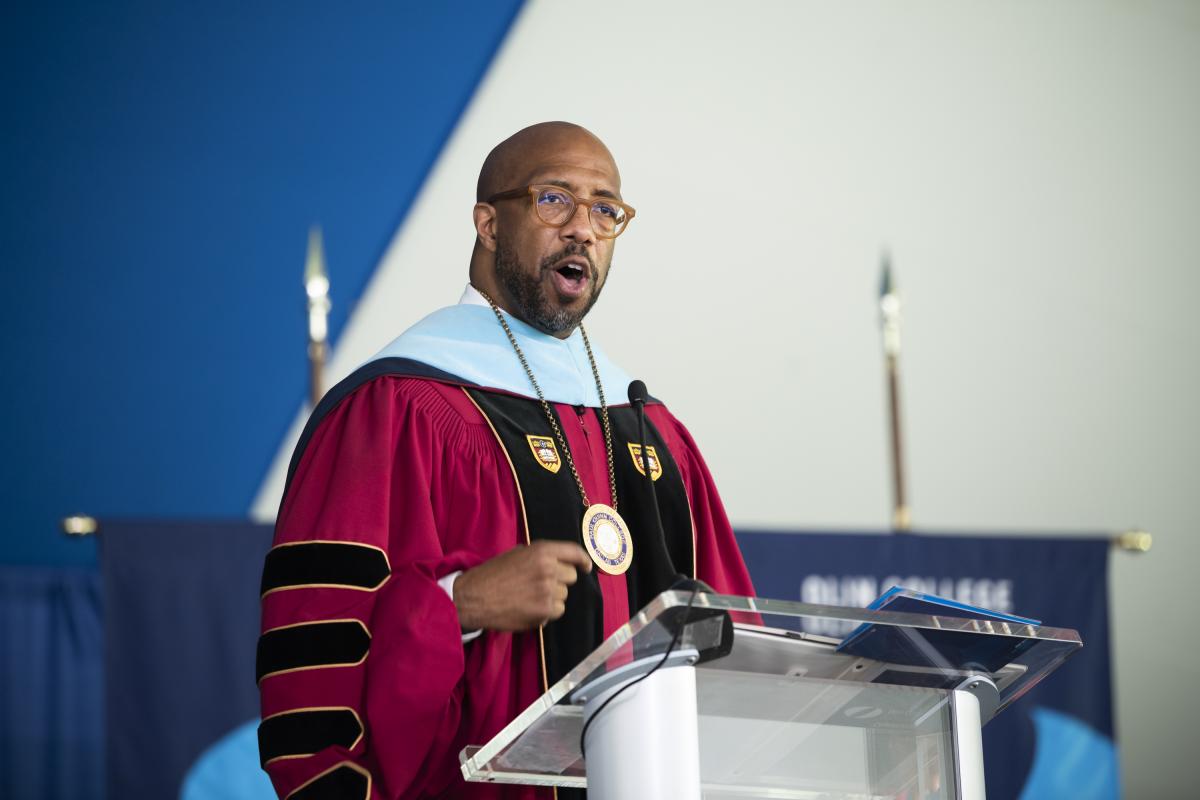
column 889, row 308
column 316, row 285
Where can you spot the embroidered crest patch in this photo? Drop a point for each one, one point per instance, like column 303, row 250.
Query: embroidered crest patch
column 635, row 450
column 545, row 452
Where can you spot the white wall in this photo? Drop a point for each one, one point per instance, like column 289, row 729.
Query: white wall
column 1034, row 169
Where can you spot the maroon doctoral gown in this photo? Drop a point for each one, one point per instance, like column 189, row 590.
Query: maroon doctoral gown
column 404, row 475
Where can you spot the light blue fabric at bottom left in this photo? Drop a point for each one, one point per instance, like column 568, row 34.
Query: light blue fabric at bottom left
column 229, row 770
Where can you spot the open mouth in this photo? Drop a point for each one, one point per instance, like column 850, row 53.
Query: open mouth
column 572, row 272
column 571, row 279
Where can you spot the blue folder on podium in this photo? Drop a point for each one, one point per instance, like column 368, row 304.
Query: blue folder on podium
column 999, row 645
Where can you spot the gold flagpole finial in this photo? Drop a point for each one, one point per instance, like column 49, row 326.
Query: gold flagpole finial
column 889, row 309
column 316, row 286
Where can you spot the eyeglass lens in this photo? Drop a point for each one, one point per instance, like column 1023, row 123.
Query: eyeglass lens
column 556, row 206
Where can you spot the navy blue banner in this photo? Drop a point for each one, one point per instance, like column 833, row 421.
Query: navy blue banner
column 181, row 623
column 1055, row 742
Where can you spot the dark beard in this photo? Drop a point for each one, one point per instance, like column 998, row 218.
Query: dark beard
column 530, row 296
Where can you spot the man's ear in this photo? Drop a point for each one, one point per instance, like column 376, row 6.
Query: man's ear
column 485, row 225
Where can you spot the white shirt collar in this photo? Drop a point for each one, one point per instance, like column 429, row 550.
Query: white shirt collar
column 472, row 297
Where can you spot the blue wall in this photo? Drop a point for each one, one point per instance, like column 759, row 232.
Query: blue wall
column 161, row 165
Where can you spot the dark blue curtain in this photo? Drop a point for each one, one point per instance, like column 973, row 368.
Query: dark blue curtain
column 51, row 684
column 183, row 618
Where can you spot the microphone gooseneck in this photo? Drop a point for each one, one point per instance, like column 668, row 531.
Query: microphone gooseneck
column 637, row 398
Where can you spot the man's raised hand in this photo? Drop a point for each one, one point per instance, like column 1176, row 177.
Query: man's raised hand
column 520, row 589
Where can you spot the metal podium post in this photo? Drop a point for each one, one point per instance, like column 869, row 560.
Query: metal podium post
column 645, row 742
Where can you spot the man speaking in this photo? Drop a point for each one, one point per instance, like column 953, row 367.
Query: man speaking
column 466, row 516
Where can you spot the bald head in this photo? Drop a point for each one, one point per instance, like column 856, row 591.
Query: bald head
column 512, row 162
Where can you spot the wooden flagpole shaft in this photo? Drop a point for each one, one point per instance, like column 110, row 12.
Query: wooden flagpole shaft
column 316, row 371
column 900, row 515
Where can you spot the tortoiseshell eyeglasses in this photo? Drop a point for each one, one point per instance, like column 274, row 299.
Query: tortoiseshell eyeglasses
column 555, row 206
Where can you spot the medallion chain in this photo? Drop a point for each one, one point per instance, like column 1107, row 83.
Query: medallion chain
column 558, row 434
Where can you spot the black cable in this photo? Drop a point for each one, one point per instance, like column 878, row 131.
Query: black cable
column 671, row 647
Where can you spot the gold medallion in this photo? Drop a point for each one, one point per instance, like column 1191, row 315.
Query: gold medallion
column 607, row 539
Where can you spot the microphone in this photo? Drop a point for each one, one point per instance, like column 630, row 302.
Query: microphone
column 637, row 398
column 680, row 582
column 638, row 394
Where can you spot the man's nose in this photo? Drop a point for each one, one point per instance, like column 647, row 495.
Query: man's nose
column 579, row 226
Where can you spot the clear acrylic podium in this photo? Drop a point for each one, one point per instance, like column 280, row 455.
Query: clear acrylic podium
column 746, row 705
